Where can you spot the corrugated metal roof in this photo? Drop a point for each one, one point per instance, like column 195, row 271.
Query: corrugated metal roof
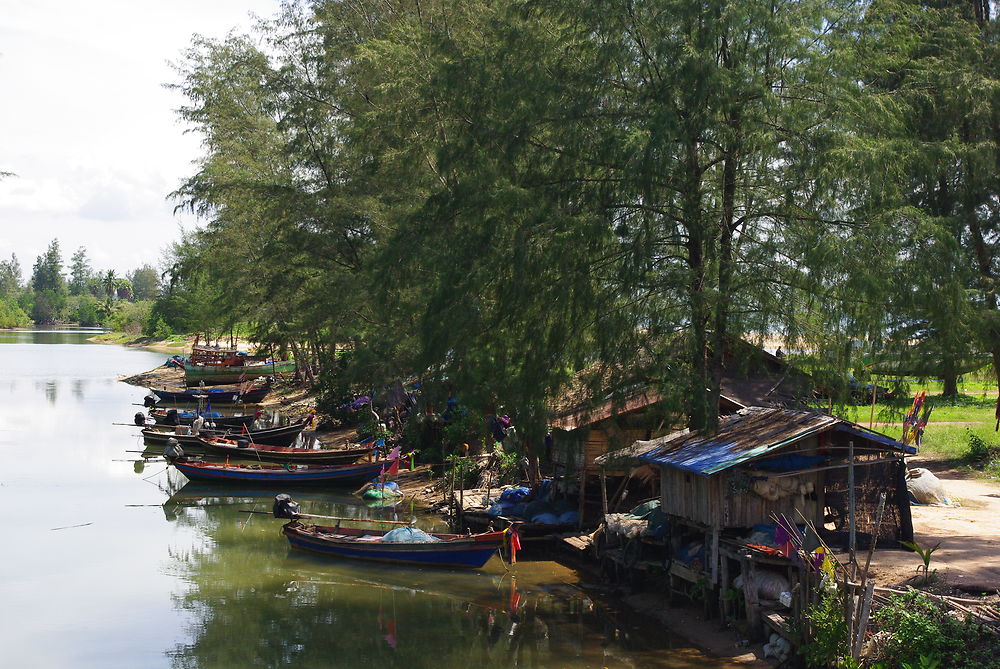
column 742, row 436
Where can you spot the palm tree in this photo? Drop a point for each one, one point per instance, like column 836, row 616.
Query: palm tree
column 110, row 282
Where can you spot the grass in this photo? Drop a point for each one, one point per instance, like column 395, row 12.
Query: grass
column 946, row 436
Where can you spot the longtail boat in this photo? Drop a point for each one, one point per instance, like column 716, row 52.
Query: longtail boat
column 162, row 417
column 446, row 550
column 272, row 436
column 215, row 395
column 241, row 447
column 221, row 374
column 199, row 470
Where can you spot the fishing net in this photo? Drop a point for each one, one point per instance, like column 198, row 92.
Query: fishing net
column 409, row 535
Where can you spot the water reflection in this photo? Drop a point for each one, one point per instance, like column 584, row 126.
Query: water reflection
column 78, row 387
column 298, row 610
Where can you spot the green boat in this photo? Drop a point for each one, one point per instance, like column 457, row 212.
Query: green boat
column 214, row 374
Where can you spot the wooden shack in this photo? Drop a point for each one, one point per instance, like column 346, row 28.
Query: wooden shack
column 765, row 464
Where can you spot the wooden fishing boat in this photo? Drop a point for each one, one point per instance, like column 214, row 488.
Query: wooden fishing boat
column 450, row 550
column 284, row 435
column 162, row 417
column 191, row 396
column 220, row 374
column 199, row 470
column 242, row 447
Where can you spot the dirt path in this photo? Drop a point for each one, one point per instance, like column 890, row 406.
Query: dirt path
column 969, row 555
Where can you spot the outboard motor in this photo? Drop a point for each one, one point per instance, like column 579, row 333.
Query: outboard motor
column 171, row 418
column 173, row 449
column 139, row 419
column 285, row 507
column 149, row 401
column 242, row 443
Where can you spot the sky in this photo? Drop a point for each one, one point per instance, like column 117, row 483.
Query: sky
column 90, row 131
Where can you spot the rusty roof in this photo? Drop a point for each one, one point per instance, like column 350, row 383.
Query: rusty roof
column 742, row 436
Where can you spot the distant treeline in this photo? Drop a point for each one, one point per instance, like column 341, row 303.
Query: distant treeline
column 54, row 293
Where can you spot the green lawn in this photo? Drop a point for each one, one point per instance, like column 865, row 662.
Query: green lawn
column 946, row 436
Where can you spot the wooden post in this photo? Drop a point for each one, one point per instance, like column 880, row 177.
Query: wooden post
column 725, row 604
column 866, row 603
column 461, row 497
column 583, row 489
column 451, row 498
column 750, row 598
column 853, row 546
column 715, row 555
column 604, row 492
column 489, row 480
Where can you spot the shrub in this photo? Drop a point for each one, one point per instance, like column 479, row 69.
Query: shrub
column 130, row 317
column 827, row 644
column 979, row 452
column 922, row 631
column 11, row 315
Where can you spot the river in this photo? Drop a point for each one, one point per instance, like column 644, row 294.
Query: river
column 111, row 561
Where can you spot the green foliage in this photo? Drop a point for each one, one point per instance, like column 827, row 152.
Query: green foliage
column 466, row 427
column 83, row 309
column 827, row 640
column 130, row 317
column 979, row 452
column 10, row 277
column 507, row 467
column 80, row 273
column 46, row 273
column 11, row 315
column 929, row 120
column 48, row 306
column 156, row 327
column 464, row 470
column 145, row 282
column 925, row 557
column 922, row 632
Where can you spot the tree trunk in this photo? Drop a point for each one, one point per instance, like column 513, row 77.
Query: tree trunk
column 949, row 375
column 701, row 416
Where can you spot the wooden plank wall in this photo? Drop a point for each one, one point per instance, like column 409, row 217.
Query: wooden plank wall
column 710, row 501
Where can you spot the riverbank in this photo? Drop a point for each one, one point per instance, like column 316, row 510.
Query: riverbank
column 172, row 346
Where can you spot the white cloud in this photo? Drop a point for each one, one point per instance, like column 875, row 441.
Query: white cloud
column 89, row 128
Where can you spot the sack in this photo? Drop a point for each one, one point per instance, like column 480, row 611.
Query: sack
column 925, row 488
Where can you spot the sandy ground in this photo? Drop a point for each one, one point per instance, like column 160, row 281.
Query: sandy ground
column 969, row 556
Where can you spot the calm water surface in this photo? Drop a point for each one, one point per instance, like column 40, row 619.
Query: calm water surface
column 108, row 561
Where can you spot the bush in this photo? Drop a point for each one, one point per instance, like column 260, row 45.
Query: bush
column 156, row 327
column 827, row 644
column 130, row 317
column 84, row 309
column 980, row 452
column 11, row 315
column 919, row 630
